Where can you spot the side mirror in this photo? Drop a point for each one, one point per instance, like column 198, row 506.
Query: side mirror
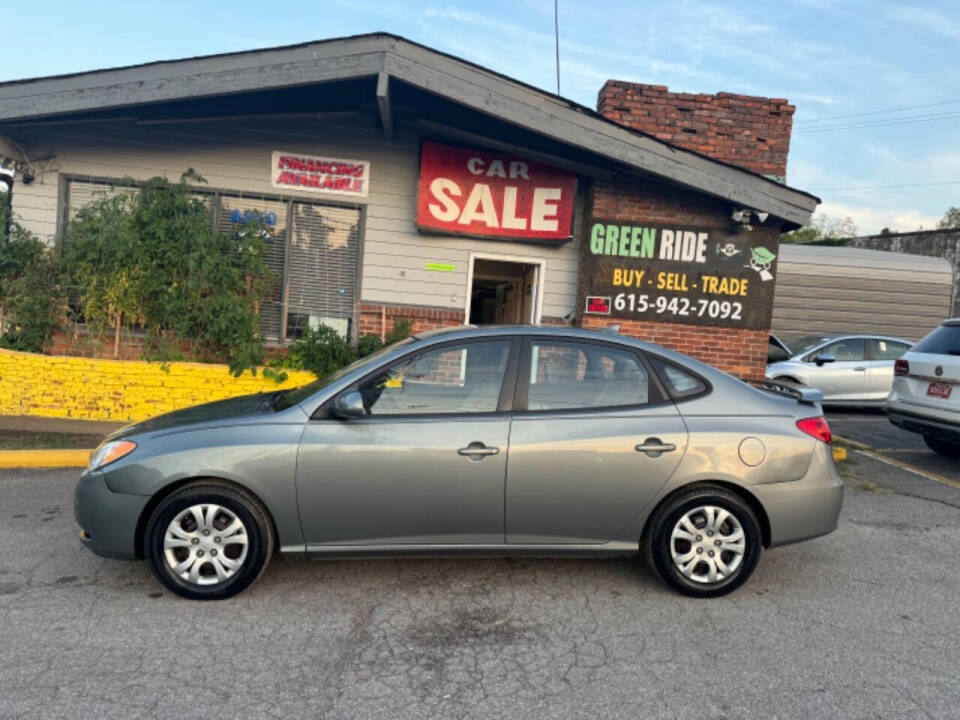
column 349, row 405
column 822, row 360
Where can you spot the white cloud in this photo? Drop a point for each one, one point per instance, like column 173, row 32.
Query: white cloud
column 870, row 219
column 927, row 19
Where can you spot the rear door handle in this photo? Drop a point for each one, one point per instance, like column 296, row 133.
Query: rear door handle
column 654, row 448
column 859, row 369
column 477, row 451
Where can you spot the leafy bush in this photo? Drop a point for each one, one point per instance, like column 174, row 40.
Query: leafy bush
column 151, row 257
column 323, row 350
column 32, row 297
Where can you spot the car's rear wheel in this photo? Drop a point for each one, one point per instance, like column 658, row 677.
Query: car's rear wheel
column 704, row 542
column 208, row 540
column 942, row 447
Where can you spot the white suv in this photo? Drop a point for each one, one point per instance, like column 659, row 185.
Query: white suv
column 926, row 390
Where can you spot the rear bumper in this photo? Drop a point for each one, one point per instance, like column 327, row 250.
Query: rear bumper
column 909, row 419
column 107, row 520
column 806, row 508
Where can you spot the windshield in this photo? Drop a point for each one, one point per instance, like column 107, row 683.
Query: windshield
column 945, row 340
column 802, row 344
column 289, row 398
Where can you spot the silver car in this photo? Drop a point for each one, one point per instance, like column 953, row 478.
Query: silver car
column 847, row 369
column 502, row 440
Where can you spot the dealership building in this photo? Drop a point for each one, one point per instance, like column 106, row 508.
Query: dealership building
column 401, row 183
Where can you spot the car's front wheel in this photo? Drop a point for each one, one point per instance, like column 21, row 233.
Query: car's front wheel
column 208, row 540
column 942, row 447
column 704, row 542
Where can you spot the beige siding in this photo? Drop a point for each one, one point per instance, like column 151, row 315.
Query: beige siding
column 235, row 156
column 830, row 290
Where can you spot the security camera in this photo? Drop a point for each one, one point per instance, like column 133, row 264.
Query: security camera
column 762, row 216
column 27, row 177
column 741, row 215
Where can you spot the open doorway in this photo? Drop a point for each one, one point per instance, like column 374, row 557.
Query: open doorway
column 504, row 292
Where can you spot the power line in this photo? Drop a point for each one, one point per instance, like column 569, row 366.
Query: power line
column 878, row 112
column 886, row 187
column 883, row 123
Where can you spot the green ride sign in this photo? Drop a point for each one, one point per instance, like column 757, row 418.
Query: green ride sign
column 698, row 276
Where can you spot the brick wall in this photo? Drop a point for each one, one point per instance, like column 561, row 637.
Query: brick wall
column 116, row 390
column 742, row 130
column 423, row 318
column 737, row 351
column 742, row 353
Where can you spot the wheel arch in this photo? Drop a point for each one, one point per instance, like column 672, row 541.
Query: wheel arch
column 742, row 492
column 167, row 490
column 789, row 378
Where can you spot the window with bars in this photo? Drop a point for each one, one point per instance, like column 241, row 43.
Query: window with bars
column 313, row 248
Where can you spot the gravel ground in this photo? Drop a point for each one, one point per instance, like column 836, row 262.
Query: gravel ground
column 860, row 624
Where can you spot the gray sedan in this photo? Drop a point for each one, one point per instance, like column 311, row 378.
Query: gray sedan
column 502, row 440
column 849, row 369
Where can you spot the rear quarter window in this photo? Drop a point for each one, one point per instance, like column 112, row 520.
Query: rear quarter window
column 680, row 383
column 945, row 340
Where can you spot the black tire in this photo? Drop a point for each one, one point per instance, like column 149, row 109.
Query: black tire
column 244, row 506
column 942, row 447
column 665, row 518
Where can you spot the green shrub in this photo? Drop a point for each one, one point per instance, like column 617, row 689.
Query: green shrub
column 32, row 297
column 321, row 351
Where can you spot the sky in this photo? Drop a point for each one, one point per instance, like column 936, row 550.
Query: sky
column 876, row 84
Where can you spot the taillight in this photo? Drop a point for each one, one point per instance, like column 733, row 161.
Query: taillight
column 816, row 427
column 901, row 367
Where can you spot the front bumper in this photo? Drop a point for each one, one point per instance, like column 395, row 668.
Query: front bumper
column 107, row 520
column 806, row 508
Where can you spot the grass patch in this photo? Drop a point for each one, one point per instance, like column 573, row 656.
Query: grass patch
column 20, row 440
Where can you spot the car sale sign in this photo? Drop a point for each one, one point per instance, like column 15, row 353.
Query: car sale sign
column 490, row 194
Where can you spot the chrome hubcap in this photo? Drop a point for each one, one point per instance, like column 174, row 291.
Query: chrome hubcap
column 205, row 544
column 707, row 544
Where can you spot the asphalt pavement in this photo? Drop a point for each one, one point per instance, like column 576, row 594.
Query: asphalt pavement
column 872, row 429
column 860, row 624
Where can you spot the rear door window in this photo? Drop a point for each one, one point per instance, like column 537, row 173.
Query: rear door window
column 573, row 376
column 680, row 383
column 887, row 349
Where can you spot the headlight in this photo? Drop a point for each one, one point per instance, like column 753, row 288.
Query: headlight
column 110, row 452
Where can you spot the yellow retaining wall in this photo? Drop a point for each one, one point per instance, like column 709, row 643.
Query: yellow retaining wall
column 89, row 389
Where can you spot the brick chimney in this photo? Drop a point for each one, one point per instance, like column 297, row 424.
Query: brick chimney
column 749, row 132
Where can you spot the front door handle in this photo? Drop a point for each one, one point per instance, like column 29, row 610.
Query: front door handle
column 654, row 448
column 477, row 451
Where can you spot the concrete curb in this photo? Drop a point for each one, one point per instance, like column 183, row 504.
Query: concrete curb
column 44, row 458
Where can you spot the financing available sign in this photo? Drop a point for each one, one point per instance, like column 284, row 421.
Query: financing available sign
column 698, row 276
column 463, row 191
column 317, row 173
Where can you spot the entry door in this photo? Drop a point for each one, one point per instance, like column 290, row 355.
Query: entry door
column 845, row 379
column 595, row 444
column 426, row 465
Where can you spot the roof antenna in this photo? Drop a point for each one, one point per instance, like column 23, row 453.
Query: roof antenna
column 556, row 35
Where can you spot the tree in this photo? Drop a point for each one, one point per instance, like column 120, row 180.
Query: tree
column 823, row 230
column 951, row 219
column 151, row 257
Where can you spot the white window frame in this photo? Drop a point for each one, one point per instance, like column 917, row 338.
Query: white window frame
column 541, row 264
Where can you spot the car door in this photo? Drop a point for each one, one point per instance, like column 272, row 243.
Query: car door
column 844, row 379
column 881, row 354
column 426, row 464
column 593, row 440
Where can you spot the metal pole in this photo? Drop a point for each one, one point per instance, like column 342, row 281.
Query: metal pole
column 556, row 35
